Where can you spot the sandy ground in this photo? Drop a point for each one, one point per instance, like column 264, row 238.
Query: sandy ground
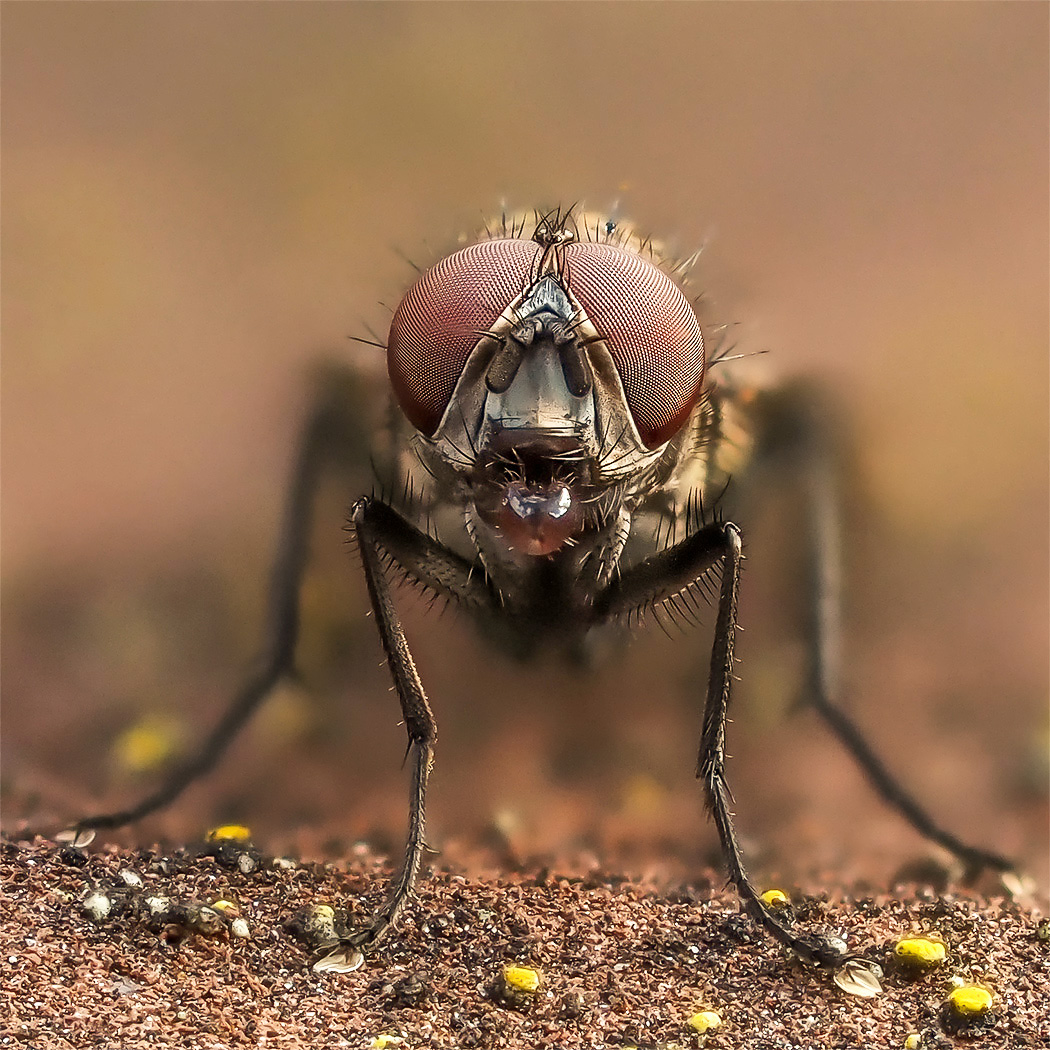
column 620, row 963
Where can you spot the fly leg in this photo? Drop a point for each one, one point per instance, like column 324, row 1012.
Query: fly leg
column 662, row 577
column 384, row 536
column 329, row 433
column 808, row 444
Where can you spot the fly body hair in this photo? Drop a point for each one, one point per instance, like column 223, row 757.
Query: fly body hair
column 682, row 606
column 607, row 461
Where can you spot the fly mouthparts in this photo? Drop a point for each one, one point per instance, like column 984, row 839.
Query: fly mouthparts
column 538, row 520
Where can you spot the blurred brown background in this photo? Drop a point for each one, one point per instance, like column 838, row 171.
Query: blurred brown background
column 201, row 201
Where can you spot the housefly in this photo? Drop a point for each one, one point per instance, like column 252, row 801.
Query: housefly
column 560, row 418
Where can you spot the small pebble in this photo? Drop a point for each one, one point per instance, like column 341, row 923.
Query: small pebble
column 96, row 905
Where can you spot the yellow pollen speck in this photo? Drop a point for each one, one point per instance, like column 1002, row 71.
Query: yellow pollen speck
column 775, row 899
column 229, row 833
column 705, row 1021
column 920, row 952
column 521, row 978
column 144, row 747
column 971, row 1000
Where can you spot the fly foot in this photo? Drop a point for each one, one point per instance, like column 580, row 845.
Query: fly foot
column 348, row 953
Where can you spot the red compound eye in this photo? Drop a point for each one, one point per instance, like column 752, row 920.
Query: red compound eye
column 439, row 321
column 650, row 330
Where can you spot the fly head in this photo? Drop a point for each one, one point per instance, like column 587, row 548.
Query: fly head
column 548, row 374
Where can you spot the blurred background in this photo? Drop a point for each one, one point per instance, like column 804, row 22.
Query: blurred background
column 202, row 202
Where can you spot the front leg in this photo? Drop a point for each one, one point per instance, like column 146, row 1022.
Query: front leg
column 710, row 767
column 661, row 578
column 382, row 533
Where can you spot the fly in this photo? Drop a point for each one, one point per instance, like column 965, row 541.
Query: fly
column 561, row 413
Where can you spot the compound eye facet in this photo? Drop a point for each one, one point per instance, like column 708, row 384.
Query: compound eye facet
column 650, row 329
column 442, row 317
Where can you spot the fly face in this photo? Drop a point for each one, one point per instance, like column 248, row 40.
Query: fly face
column 547, row 376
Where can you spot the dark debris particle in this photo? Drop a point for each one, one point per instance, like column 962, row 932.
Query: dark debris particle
column 318, row 925
column 516, row 987
column 173, row 933
column 407, row 992
column 231, row 854
column 569, row 1006
column 960, row 1025
column 687, row 895
column 74, row 857
column 937, row 1041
